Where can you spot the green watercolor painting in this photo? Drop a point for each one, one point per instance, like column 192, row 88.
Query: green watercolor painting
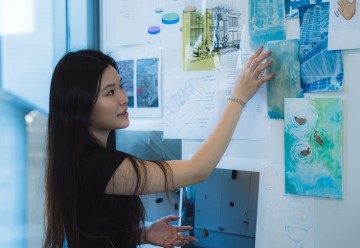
column 313, row 147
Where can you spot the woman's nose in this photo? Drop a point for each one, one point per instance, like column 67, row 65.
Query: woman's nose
column 123, row 99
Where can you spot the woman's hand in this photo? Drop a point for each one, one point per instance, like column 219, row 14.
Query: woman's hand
column 249, row 80
column 161, row 233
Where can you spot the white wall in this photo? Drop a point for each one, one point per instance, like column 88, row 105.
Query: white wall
column 336, row 222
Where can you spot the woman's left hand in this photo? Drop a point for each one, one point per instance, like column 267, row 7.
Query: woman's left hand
column 161, row 233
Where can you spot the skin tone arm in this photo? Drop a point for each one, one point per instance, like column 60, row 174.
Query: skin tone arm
column 205, row 159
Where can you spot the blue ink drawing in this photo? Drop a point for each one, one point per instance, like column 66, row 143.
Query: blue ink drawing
column 291, row 7
column 321, row 70
column 266, row 22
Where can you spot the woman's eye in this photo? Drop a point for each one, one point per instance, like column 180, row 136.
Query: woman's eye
column 110, row 93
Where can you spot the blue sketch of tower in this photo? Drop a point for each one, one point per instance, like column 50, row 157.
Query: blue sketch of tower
column 321, row 70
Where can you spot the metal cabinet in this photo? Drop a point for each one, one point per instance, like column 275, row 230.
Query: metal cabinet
column 227, row 202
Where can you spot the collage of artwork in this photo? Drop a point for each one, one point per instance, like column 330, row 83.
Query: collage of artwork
column 180, row 62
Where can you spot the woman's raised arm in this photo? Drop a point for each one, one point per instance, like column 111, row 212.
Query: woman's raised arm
column 205, row 159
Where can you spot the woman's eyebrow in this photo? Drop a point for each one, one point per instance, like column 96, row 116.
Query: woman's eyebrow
column 111, row 85
column 108, row 86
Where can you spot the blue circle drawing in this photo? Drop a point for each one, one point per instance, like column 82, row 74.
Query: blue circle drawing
column 170, row 18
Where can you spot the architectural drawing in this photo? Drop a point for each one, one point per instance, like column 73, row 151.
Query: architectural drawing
column 313, row 147
column 266, row 22
column 199, row 51
column 194, row 101
column 321, row 70
column 291, row 6
column 208, row 34
column 190, row 104
column 286, row 65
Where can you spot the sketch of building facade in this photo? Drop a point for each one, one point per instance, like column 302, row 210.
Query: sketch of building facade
column 218, row 29
column 321, row 70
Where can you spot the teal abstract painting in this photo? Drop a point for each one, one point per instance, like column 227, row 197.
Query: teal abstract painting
column 286, row 84
column 313, row 147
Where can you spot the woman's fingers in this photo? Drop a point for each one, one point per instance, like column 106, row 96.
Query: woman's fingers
column 183, row 228
column 256, row 62
column 260, row 68
column 170, row 218
column 254, row 56
column 266, row 77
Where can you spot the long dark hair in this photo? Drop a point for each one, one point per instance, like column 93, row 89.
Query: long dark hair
column 74, row 90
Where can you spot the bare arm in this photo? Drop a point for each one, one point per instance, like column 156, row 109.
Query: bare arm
column 205, row 159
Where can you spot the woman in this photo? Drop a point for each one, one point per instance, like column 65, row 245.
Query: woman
column 92, row 190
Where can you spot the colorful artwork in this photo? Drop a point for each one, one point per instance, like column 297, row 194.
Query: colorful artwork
column 286, row 65
column 313, row 147
column 126, row 71
column 266, row 22
column 212, row 33
column 321, row 70
column 199, row 51
column 140, row 76
column 147, row 83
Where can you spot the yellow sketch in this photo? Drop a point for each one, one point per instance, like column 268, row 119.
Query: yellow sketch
column 199, row 38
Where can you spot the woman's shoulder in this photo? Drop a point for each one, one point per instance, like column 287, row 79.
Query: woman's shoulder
column 92, row 149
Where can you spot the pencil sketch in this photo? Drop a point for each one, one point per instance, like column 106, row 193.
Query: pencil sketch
column 298, row 220
column 321, row 70
column 284, row 220
column 183, row 106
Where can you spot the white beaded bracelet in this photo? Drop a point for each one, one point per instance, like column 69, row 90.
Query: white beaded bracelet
column 232, row 98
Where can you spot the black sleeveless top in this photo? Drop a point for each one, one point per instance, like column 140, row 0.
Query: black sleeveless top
column 104, row 220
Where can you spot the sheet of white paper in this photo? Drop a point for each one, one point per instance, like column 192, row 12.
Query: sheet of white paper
column 283, row 220
column 189, row 103
column 163, row 22
column 344, row 32
column 123, row 23
column 193, row 104
column 254, row 123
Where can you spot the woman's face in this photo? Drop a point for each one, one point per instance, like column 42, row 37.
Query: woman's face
column 110, row 110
